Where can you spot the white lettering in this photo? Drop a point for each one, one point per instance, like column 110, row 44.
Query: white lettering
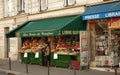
column 112, row 14
column 46, row 33
column 92, row 16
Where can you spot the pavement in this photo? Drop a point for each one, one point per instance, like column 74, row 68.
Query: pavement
column 18, row 68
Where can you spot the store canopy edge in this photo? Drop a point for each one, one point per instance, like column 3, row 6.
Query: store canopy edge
column 12, row 32
column 50, row 27
column 102, row 11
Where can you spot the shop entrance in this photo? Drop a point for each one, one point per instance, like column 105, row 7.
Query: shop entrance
column 105, row 42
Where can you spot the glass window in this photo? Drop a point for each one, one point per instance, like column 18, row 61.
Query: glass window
column 21, row 6
column 43, row 4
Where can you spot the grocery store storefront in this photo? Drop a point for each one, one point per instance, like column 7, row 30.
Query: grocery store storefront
column 62, row 33
column 103, row 24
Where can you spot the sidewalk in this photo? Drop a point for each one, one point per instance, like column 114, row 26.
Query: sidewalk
column 105, row 69
column 20, row 69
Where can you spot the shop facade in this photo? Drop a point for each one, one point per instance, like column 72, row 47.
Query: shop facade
column 63, row 35
column 103, row 25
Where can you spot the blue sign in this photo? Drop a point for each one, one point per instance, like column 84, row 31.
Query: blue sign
column 101, row 15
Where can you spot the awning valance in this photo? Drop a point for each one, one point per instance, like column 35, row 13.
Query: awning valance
column 102, row 11
column 51, row 27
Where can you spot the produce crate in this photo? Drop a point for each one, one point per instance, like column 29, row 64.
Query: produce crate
column 23, row 59
column 52, row 63
column 74, row 64
column 51, row 56
column 52, row 60
column 63, row 60
column 64, row 57
column 34, row 60
column 62, row 64
column 75, row 57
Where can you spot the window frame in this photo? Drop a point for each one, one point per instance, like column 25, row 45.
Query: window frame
column 66, row 3
column 6, row 9
column 40, row 5
column 21, row 6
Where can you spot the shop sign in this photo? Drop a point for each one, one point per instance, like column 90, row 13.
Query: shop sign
column 51, row 33
column 28, row 34
column 114, row 23
column 101, row 15
column 83, row 48
column 37, row 55
column 67, row 32
column 25, row 55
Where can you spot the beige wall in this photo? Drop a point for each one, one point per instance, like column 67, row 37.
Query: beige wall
column 59, row 13
column 34, row 7
column 1, row 43
column 1, row 8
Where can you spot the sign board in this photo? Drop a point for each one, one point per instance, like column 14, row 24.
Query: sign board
column 83, row 48
column 37, row 55
column 55, row 56
column 47, row 33
column 101, row 15
column 25, row 55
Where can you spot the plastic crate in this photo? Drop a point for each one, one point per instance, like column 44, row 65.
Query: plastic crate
column 74, row 64
column 52, row 60
column 63, row 60
column 62, row 64
column 34, row 60
column 23, row 59
column 64, row 57
column 52, row 63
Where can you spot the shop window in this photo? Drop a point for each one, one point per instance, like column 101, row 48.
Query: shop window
column 43, row 4
column 69, row 2
column 105, row 41
column 21, row 6
column 11, row 7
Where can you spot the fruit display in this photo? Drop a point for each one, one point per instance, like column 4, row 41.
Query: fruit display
column 32, row 45
column 66, row 45
column 63, row 52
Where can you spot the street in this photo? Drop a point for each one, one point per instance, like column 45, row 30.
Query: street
column 19, row 68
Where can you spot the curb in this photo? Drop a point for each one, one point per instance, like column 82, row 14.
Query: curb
column 105, row 69
column 12, row 72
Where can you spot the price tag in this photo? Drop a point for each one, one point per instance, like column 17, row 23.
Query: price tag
column 55, row 56
column 37, row 55
column 25, row 55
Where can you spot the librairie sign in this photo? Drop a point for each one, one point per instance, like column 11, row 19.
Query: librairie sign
column 101, row 15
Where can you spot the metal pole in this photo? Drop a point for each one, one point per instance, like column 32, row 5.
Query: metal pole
column 48, row 68
column 74, row 70
column 9, row 63
column 115, row 70
column 26, row 66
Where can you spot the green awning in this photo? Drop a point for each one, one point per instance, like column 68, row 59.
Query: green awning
column 50, row 27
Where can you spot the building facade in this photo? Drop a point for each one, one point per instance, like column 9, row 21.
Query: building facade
column 15, row 12
column 103, row 27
